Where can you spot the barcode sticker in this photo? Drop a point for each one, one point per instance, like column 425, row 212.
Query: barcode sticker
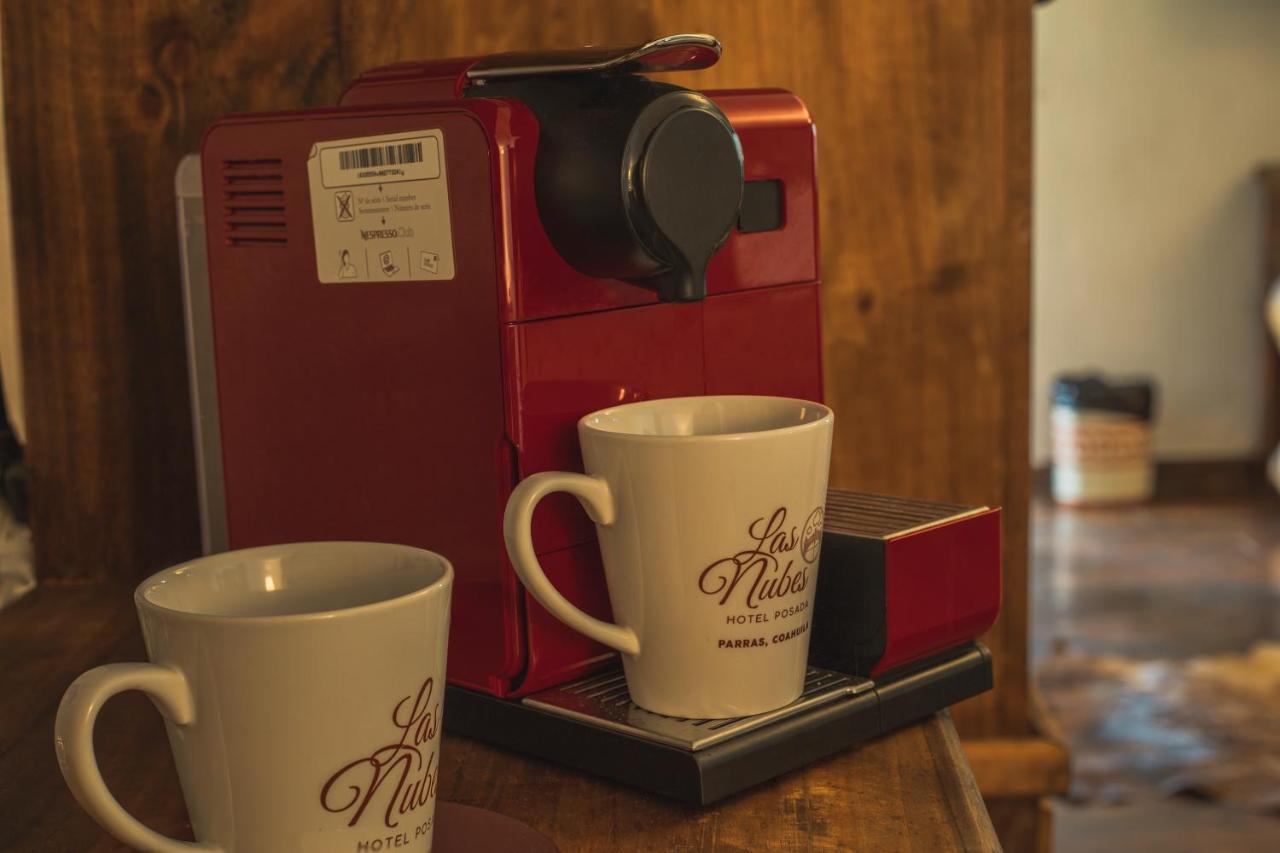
column 386, row 155
column 380, row 208
column 343, row 164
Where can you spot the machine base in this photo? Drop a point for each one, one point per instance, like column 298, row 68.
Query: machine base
column 592, row 725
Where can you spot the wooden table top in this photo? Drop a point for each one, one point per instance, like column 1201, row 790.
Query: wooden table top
column 911, row 790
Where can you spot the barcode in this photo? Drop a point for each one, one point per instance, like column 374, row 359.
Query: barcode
column 381, row 155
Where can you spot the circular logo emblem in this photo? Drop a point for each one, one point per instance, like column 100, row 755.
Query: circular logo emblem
column 811, row 537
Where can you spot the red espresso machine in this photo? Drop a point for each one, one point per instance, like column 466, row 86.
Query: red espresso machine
column 400, row 306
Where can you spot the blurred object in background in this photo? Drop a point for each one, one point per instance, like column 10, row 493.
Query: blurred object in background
column 12, row 413
column 1273, row 326
column 17, row 575
column 14, row 477
column 1101, row 433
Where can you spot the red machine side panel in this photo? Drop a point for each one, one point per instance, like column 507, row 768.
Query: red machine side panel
column 758, row 342
column 558, row 654
column 374, row 410
column 942, row 588
column 565, row 368
column 765, row 342
column 568, row 367
column 777, row 145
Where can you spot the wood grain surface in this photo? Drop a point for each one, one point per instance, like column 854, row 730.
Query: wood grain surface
column 1019, row 767
column 910, row 791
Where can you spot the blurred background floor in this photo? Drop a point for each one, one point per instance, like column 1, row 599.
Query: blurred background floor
column 1156, row 646
column 1170, row 827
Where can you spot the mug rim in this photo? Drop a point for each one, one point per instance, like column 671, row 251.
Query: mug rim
column 827, row 416
column 141, row 601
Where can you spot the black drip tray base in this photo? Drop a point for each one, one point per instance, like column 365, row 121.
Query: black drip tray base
column 604, row 701
column 592, row 725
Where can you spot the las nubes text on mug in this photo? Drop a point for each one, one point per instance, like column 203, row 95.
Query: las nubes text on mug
column 767, row 568
column 396, row 777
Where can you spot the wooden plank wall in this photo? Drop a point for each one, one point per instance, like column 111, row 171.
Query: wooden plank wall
column 923, row 110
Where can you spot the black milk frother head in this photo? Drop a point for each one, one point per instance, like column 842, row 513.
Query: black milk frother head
column 635, row 179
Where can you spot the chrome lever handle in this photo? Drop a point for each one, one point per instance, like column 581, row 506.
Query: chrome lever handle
column 686, row 52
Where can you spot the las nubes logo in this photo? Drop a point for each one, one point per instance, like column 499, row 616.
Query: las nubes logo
column 767, row 569
column 400, row 776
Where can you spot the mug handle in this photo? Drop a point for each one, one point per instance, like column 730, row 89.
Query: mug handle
column 596, row 498
column 73, row 739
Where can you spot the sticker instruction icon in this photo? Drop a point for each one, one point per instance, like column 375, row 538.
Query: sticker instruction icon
column 343, row 207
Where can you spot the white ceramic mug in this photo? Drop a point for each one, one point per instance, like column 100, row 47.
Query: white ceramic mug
column 301, row 687
column 709, row 517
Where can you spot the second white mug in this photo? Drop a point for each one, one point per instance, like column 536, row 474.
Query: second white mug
column 709, row 517
column 302, row 688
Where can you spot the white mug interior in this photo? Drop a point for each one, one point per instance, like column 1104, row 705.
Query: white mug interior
column 302, row 579
column 717, row 416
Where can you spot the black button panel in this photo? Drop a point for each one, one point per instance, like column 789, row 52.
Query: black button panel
column 761, row 206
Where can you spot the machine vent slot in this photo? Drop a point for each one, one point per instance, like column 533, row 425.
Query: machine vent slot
column 253, row 202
